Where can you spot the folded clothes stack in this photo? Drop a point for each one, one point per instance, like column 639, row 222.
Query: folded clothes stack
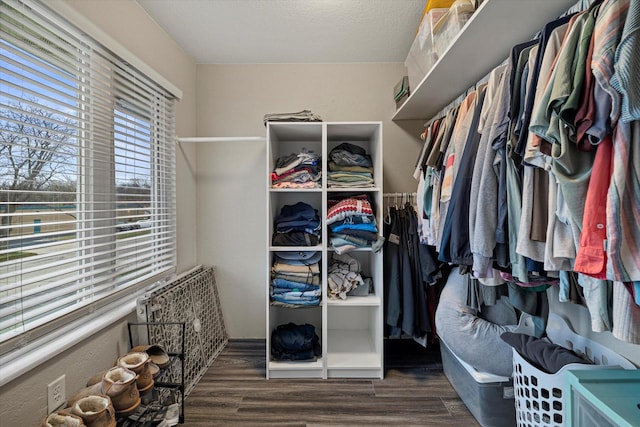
column 345, row 277
column 352, row 224
column 297, row 225
column 349, row 166
column 295, row 342
column 295, row 279
column 300, row 116
column 300, row 170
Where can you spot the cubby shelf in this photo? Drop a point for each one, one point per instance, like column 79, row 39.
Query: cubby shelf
column 357, row 350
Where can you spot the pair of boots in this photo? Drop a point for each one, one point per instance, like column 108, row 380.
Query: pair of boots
column 95, row 411
column 140, row 363
column 125, row 383
column 119, row 384
column 89, row 411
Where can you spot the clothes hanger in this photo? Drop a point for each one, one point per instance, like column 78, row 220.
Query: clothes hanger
column 387, row 218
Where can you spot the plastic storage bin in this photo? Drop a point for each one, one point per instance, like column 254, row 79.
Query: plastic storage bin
column 603, row 398
column 488, row 397
column 539, row 396
column 449, row 26
column 422, row 55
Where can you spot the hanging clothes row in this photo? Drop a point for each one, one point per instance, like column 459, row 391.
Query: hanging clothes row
column 411, row 271
column 533, row 179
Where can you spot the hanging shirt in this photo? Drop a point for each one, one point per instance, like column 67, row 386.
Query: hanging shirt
column 570, row 166
column 455, row 147
column 626, row 65
column 455, row 240
column 533, row 79
column 485, row 184
column 537, row 218
column 592, row 257
column 623, row 215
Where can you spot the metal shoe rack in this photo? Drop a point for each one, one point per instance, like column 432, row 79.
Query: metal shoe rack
column 168, row 391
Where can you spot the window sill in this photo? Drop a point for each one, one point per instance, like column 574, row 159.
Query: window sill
column 23, row 359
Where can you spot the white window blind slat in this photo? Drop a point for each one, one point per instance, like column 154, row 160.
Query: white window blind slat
column 64, row 270
column 66, row 52
column 87, row 174
column 37, row 79
column 34, row 297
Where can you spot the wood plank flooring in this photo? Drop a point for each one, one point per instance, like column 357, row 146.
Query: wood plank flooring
column 414, row 392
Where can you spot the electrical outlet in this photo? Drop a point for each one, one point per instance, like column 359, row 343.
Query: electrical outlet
column 56, row 394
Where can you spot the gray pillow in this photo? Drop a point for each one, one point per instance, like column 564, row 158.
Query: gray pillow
column 544, row 355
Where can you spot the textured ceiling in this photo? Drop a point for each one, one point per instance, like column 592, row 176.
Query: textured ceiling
column 289, row 31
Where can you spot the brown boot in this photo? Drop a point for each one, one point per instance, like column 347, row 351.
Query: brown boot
column 62, row 420
column 84, row 392
column 138, row 362
column 96, row 378
column 96, row 411
column 156, row 354
column 120, row 385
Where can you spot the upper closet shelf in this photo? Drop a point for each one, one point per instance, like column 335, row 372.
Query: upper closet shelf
column 484, row 42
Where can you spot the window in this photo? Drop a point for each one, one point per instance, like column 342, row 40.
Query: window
column 87, row 175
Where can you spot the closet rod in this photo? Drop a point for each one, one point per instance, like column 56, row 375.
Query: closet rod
column 457, row 101
column 220, row 139
column 399, row 194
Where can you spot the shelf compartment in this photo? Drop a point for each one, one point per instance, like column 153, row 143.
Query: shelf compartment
column 367, row 135
column 351, row 353
column 279, row 199
column 294, row 369
column 353, row 347
column 371, row 266
column 292, row 138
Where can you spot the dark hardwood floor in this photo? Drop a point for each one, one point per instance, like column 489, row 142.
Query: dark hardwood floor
column 414, row 392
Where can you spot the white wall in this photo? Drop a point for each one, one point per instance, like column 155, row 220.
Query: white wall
column 23, row 401
column 231, row 183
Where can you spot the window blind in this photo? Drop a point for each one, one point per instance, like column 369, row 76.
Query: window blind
column 87, row 175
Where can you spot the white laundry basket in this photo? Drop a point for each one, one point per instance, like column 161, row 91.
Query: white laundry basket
column 539, row 396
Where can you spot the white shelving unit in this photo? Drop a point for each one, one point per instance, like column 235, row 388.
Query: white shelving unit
column 484, row 42
column 351, row 330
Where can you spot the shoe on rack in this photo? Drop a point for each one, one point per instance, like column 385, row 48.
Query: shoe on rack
column 156, row 353
column 96, row 411
column 154, row 369
column 138, row 362
column 120, row 385
column 62, row 420
column 95, row 379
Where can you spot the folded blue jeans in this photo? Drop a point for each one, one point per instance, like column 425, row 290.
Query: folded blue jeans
column 290, row 285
